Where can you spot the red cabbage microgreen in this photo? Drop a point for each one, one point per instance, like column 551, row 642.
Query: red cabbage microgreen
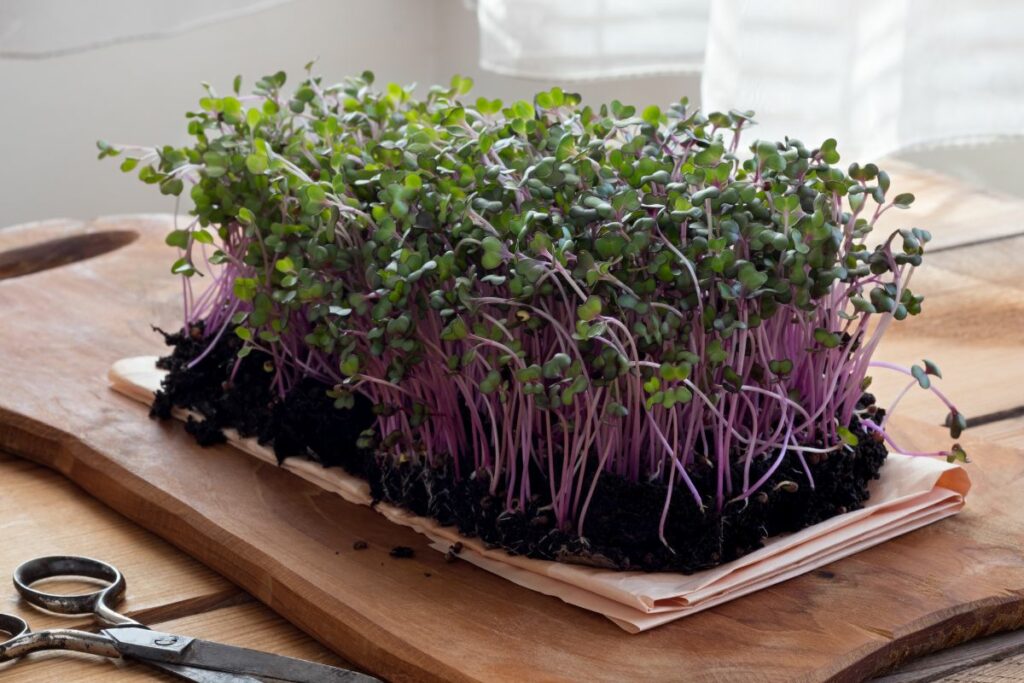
column 546, row 286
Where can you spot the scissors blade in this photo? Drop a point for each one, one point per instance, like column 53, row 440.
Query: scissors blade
column 153, row 646
column 191, row 673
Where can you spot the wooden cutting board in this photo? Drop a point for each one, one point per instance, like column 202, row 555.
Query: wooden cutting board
column 290, row 544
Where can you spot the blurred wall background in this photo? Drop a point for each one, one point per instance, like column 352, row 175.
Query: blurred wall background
column 53, row 110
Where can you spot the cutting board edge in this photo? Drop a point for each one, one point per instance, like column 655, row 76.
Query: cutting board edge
column 63, row 452
column 940, row 630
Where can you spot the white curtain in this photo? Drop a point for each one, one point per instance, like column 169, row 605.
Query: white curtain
column 878, row 75
column 586, row 39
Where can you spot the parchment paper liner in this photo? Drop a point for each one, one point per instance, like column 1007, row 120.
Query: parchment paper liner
column 912, row 492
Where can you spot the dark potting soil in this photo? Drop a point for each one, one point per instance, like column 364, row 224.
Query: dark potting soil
column 621, row 527
column 304, row 423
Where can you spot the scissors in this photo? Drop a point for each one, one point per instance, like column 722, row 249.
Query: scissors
column 191, row 659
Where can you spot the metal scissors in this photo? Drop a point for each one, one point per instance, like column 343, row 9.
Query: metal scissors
column 192, row 659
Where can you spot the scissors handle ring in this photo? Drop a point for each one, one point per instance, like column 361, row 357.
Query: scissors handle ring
column 98, row 602
column 13, row 626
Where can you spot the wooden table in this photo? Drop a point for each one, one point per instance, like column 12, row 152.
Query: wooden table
column 41, row 513
column 972, row 275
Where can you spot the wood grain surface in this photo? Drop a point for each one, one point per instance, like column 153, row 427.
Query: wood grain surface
column 973, row 314
column 985, row 659
column 43, row 513
column 290, row 544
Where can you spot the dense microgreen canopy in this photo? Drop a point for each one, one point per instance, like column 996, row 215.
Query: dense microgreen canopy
column 544, row 285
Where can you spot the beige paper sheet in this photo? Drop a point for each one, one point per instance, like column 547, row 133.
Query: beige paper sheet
column 912, row 492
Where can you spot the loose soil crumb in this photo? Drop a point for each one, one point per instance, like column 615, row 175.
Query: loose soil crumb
column 402, row 552
column 360, row 545
column 621, row 527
